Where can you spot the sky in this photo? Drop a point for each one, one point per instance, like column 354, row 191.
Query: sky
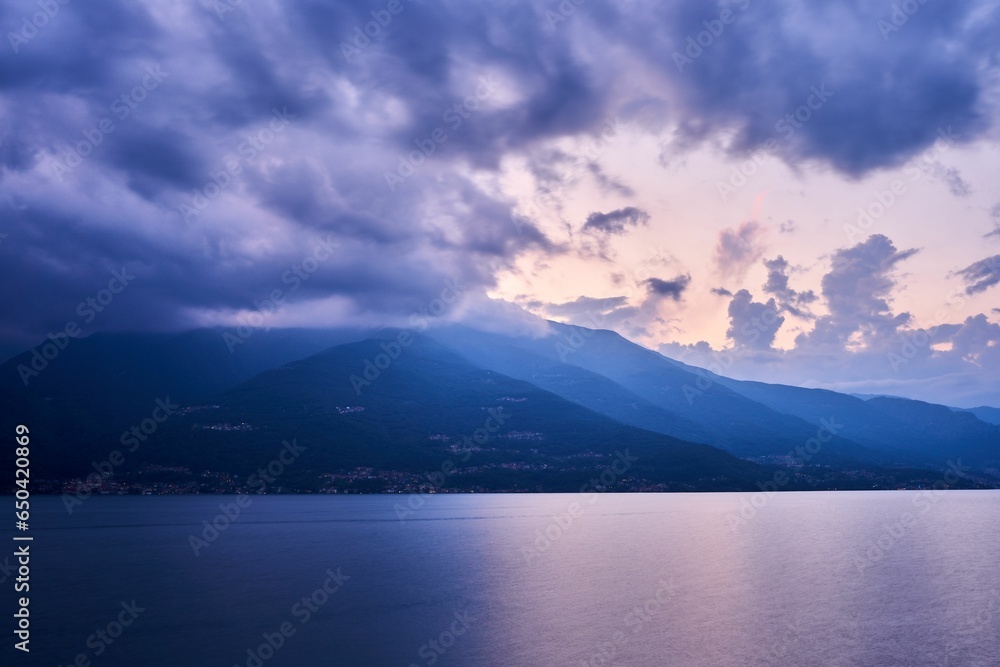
column 798, row 192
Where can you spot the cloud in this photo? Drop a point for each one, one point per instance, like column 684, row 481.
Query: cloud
column 753, row 325
column 889, row 92
column 792, row 301
column 261, row 193
column 585, row 306
column 497, row 315
column 721, row 291
column 617, row 221
column 981, row 275
column 607, row 183
column 857, row 293
column 673, row 289
column 975, row 338
column 503, row 87
column 995, row 215
column 738, row 248
column 861, row 344
column 606, row 313
column 951, row 177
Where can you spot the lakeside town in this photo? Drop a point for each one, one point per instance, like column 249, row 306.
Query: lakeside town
column 178, row 480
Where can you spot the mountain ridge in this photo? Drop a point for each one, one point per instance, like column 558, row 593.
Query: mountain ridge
column 102, row 385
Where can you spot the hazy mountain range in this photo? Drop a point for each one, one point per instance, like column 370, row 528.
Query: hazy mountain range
column 454, row 408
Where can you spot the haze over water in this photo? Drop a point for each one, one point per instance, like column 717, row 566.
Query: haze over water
column 866, row 578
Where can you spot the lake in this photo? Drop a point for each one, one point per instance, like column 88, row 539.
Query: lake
column 825, row 578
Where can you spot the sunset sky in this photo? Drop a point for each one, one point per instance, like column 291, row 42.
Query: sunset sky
column 797, row 192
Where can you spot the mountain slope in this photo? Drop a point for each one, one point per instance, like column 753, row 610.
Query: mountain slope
column 983, row 413
column 81, row 406
column 907, row 430
column 108, row 375
column 573, row 383
column 693, row 405
column 101, row 385
column 424, row 407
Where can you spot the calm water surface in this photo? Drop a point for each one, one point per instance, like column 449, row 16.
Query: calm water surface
column 879, row 578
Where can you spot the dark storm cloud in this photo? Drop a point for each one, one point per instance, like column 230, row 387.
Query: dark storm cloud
column 560, row 96
column 201, row 136
column 672, row 289
column 889, row 91
column 617, row 221
column 497, row 79
column 155, row 158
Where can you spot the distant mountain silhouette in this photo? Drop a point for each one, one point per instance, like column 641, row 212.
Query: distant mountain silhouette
column 983, row 413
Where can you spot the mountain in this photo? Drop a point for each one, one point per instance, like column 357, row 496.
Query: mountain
column 407, row 409
column 109, row 374
column 92, row 389
column 664, row 395
column 983, row 413
column 904, row 430
column 238, row 399
column 587, row 388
